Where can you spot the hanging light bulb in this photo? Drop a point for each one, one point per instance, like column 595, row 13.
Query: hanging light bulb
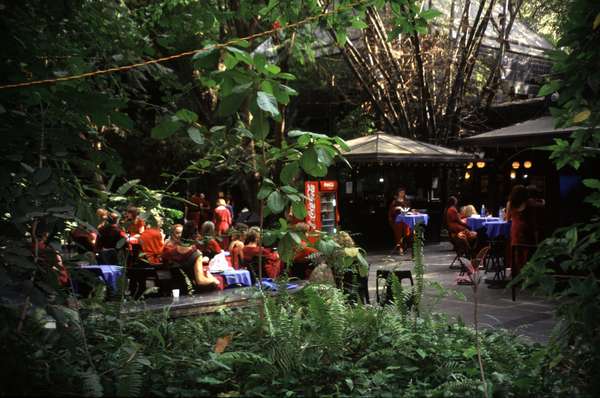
column 480, row 164
column 527, row 164
column 513, row 175
column 467, row 175
column 516, row 165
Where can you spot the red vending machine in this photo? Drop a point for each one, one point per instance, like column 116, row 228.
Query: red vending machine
column 321, row 205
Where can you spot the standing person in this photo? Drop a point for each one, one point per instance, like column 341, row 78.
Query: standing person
column 152, row 242
column 399, row 204
column 199, row 212
column 223, row 218
column 229, row 205
column 523, row 228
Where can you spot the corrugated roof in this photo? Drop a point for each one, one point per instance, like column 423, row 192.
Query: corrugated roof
column 385, row 147
column 530, row 130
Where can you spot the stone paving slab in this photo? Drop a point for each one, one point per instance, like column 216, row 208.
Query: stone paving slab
column 529, row 316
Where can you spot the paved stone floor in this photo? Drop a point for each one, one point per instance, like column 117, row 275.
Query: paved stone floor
column 530, row 317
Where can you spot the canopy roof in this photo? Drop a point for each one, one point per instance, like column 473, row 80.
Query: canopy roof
column 530, row 132
column 385, row 147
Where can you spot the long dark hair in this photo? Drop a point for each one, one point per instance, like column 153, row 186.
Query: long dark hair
column 452, row 201
column 518, row 196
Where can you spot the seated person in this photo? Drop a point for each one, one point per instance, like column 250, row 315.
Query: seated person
column 152, row 243
column 301, row 262
column 467, row 211
column 102, row 217
column 84, row 240
column 174, row 237
column 207, row 243
column 134, row 225
column 186, row 254
column 456, row 226
column 236, row 247
column 47, row 255
column 271, row 263
column 109, row 236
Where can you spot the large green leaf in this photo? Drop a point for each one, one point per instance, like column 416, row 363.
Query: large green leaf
column 299, row 210
column 276, row 202
column 185, row 115
column 207, row 58
column 289, row 172
column 267, row 103
column 196, row 135
column 549, row 88
column 259, row 126
column 310, row 164
column 230, row 104
column 122, row 120
column 165, row 129
column 430, row 14
column 264, row 191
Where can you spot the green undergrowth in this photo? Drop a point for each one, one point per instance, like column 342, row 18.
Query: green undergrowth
column 308, row 344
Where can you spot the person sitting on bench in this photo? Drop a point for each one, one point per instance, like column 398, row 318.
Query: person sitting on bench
column 189, row 258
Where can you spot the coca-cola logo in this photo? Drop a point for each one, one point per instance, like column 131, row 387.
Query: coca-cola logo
column 312, row 207
column 328, row 184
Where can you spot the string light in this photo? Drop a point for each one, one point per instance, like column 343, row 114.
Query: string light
column 480, row 164
column 527, row 164
column 513, row 175
column 470, row 165
column 516, row 165
column 183, row 54
column 467, row 175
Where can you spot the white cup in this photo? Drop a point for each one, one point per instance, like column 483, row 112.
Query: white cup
column 175, row 293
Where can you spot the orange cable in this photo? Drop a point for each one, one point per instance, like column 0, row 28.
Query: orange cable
column 178, row 55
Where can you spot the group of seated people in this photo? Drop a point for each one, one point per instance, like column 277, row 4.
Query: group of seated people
column 187, row 247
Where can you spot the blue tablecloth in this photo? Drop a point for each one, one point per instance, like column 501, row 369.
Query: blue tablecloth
column 412, row 219
column 270, row 284
column 477, row 222
column 110, row 274
column 496, row 229
column 241, row 277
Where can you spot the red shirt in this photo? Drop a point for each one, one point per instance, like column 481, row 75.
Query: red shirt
column 108, row 237
column 222, row 219
column 135, row 226
column 209, row 249
column 454, row 222
column 152, row 245
column 271, row 262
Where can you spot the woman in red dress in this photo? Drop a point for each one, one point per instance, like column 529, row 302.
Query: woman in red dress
column 222, row 217
column 401, row 230
column 523, row 235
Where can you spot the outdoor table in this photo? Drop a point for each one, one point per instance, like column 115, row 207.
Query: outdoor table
column 412, row 219
column 110, row 274
column 476, row 223
column 237, row 277
column 496, row 229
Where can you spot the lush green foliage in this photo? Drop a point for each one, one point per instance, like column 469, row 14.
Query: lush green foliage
column 312, row 343
column 572, row 251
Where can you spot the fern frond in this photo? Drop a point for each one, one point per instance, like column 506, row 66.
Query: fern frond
column 129, row 380
column 91, row 387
